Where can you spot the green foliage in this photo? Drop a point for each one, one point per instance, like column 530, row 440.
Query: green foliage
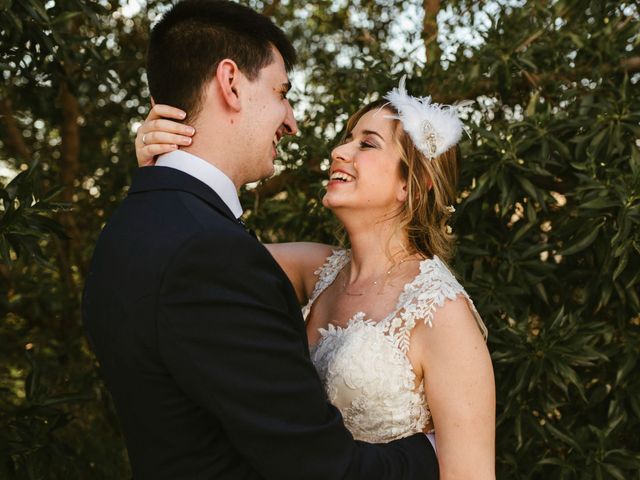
column 30, row 427
column 554, row 217
column 24, row 219
column 547, row 219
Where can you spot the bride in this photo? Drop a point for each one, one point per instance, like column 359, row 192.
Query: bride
column 395, row 338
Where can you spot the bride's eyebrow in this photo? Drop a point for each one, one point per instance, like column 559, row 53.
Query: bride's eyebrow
column 373, row 132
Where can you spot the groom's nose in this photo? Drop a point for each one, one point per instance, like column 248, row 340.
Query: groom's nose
column 290, row 125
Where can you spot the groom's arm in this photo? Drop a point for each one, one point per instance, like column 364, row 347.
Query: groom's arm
column 226, row 336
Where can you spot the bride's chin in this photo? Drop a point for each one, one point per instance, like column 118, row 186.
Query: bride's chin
column 331, row 201
column 326, row 201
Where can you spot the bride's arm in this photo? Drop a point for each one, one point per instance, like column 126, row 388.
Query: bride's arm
column 300, row 260
column 460, row 388
column 162, row 133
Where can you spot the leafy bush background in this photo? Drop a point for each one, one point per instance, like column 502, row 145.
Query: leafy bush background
column 547, row 219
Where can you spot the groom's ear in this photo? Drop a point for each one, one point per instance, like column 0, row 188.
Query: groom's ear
column 228, row 79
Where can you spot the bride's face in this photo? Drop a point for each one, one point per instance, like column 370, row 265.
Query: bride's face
column 365, row 169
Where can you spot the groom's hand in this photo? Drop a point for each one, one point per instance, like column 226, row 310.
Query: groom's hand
column 158, row 134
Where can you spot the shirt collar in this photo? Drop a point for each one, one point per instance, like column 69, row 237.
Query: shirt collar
column 206, row 173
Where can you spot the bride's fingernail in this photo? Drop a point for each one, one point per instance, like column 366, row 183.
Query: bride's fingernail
column 191, row 130
column 183, row 114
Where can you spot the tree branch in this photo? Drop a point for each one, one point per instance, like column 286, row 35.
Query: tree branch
column 448, row 93
column 631, row 64
column 270, row 9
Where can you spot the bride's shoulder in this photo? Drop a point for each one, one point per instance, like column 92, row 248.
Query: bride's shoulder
column 438, row 298
column 434, row 279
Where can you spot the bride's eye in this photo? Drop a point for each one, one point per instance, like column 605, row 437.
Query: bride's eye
column 365, row 144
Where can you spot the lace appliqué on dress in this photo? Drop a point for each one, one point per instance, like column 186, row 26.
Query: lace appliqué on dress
column 429, row 290
column 364, row 366
column 327, row 273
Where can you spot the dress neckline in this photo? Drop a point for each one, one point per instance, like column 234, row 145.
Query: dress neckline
column 361, row 316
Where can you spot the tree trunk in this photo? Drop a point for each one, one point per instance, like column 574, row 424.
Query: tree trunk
column 13, row 137
column 430, row 32
column 69, row 171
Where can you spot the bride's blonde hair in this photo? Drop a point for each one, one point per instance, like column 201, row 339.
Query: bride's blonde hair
column 431, row 189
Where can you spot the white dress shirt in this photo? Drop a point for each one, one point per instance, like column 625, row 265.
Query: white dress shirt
column 206, row 173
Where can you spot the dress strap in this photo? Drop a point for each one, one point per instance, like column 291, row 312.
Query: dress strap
column 327, row 273
column 418, row 302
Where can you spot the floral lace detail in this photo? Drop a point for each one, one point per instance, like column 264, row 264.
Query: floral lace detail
column 370, row 381
column 364, row 366
column 327, row 273
column 429, row 290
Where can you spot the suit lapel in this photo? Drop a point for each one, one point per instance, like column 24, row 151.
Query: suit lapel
column 164, row 178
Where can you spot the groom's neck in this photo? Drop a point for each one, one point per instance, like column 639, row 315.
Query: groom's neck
column 218, row 143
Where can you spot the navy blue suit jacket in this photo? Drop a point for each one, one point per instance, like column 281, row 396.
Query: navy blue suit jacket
column 202, row 345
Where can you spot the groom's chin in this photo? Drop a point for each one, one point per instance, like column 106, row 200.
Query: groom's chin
column 268, row 171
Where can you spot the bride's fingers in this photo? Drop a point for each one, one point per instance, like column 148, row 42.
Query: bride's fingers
column 163, row 137
column 149, row 145
column 164, row 125
column 165, row 111
column 158, row 134
column 146, row 155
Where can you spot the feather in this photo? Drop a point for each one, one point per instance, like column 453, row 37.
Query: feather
column 434, row 128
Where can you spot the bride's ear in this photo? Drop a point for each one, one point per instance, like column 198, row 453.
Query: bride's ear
column 403, row 190
column 227, row 79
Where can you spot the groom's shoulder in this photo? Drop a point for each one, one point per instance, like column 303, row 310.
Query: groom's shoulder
column 163, row 221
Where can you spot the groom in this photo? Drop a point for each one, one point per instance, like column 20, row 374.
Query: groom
column 198, row 332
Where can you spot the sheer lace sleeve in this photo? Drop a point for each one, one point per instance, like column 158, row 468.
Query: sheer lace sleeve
column 327, row 273
column 418, row 302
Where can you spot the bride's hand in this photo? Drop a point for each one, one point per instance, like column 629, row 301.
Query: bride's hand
column 158, row 135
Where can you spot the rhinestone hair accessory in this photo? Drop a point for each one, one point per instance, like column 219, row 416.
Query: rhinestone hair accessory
column 434, row 128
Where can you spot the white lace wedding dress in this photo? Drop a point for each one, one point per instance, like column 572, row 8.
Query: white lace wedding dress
column 364, row 366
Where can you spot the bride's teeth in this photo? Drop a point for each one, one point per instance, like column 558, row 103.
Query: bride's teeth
column 344, row 177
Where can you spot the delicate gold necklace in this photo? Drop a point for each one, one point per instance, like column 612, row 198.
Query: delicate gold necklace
column 383, row 276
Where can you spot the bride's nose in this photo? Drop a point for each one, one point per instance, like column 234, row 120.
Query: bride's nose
column 341, row 153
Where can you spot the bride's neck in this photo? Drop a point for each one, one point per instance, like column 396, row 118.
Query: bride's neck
column 375, row 248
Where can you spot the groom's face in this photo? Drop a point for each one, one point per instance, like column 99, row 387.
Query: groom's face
column 269, row 117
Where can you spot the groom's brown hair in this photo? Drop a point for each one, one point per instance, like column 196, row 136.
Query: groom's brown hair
column 191, row 39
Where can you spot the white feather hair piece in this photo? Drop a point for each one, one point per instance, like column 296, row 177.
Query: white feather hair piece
column 434, row 128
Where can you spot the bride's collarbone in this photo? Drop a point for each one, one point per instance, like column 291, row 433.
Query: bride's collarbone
column 336, row 307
